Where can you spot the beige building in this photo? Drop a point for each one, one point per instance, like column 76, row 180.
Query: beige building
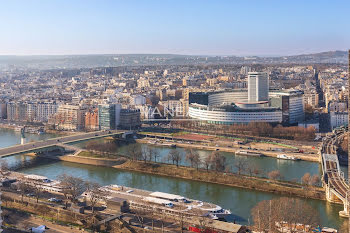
column 70, row 117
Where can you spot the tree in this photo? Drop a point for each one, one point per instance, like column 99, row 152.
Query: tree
column 72, row 187
column 306, row 178
column 4, row 167
column 134, row 151
column 197, row 161
column 315, row 180
column 156, row 154
column 37, row 190
column 193, row 157
column 241, row 165
column 23, row 188
column 204, row 224
column 275, row 175
column 268, row 215
column 175, row 157
column 218, row 162
column 94, row 194
column 207, row 162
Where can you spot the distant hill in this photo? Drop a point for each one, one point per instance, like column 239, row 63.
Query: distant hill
column 110, row 60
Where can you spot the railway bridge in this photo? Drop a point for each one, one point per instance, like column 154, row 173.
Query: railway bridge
column 337, row 186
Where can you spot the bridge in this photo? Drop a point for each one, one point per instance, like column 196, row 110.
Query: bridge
column 59, row 142
column 337, row 187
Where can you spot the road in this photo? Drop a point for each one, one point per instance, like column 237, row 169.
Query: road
column 33, row 146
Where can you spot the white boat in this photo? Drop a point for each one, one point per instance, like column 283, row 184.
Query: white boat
column 287, row 157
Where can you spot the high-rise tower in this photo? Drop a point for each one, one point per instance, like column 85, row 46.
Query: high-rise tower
column 258, row 87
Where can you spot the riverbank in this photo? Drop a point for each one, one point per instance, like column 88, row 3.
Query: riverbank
column 228, row 179
column 202, row 175
column 309, row 157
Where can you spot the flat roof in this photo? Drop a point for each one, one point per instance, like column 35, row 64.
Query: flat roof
column 157, row 200
column 166, row 196
column 36, row 177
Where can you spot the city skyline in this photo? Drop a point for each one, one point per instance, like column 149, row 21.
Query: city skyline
column 270, row 28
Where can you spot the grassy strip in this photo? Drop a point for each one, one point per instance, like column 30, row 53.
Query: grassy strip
column 281, row 144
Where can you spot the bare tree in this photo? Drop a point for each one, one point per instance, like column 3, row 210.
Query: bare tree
column 144, row 153
column 4, row 167
column 72, row 186
column 94, row 194
column 306, row 178
column 204, row 224
column 37, row 190
column 23, row 188
column 156, row 154
column 175, row 157
column 192, row 156
column 269, row 215
column 275, row 175
column 218, row 161
column 207, row 162
column 315, row 180
column 134, row 151
column 240, row 165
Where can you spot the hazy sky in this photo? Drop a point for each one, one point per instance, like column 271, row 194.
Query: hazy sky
column 216, row 27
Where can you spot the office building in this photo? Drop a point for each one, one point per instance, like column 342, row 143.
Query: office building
column 258, row 87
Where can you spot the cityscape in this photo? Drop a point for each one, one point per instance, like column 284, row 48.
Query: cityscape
column 174, row 117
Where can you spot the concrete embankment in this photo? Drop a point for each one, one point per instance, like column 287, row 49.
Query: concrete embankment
column 313, row 158
column 85, row 160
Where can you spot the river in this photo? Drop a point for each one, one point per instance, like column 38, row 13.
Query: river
column 239, row 201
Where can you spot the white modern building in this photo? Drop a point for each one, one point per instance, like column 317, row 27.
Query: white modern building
column 258, row 87
column 338, row 119
column 231, row 107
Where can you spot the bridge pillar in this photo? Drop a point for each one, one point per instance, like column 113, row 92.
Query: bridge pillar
column 330, row 195
column 345, row 213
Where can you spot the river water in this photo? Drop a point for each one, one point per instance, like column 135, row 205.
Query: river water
column 239, row 201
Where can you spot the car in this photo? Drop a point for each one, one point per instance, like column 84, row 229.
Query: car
column 53, row 199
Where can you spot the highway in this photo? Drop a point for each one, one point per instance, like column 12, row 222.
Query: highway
column 332, row 173
column 35, row 146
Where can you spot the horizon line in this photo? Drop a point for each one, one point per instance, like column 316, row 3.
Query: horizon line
column 176, row 54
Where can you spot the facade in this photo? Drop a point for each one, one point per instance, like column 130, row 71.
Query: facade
column 91, row 120
column 3, row 110
column 338, row 119
column 70, row 117
column 234, row 115
column 129, row 118
column 311, row 98
column 106, row 116
column 292, row 104
column 258, row 87
column 16, row 111
column 231, row 107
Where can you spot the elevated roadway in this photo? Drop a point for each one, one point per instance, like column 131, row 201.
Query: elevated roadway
column 58, row 142
column 337, row 187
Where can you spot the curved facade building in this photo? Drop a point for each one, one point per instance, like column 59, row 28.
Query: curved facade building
column 233, row 107
column 222, row 115
column 228, row 97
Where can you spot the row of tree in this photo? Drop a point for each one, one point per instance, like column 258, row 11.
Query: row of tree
column 215, row 161
column 260, row 129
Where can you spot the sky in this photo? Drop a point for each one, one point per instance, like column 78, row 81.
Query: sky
column 193, row 27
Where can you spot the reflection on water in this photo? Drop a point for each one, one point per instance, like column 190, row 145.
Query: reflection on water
column 239, row 201
column 290, row 170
